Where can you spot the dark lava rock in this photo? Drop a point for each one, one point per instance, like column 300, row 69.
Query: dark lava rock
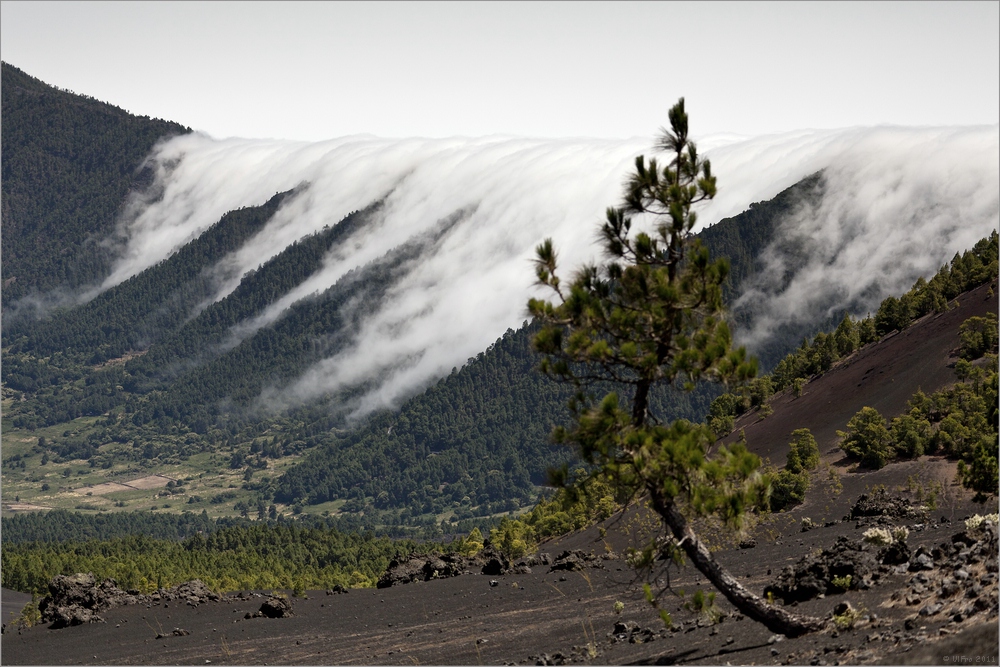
column 438, row 566
column 813, row 575
column 896, row 553
column 338, row 590
column 496, row 564
column 575, row 560
column 921, row 560
column 748, row 543
column 879, row 503
column 193, row 592
column 77, row 598
column 275, row 607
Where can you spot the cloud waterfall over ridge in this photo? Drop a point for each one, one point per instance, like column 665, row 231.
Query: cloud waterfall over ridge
column 926, row 193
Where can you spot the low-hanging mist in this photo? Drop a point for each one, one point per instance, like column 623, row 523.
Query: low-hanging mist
column 897, row 203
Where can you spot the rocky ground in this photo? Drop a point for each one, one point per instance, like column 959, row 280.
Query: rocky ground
column 932, row 601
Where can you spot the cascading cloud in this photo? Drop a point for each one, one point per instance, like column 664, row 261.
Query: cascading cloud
column 899, row 202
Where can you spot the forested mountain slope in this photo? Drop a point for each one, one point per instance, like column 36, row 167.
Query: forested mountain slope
column 168, row 374
column 69, row 162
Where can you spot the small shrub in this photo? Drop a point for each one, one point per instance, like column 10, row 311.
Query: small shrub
column 618, row 607
column 842, row 583
column 788, row 489
column 803, row 452
column 848, row 619
column 877, row 536
column 704, row 604
column 29, row 615
column 974, row 523
column 867, row 438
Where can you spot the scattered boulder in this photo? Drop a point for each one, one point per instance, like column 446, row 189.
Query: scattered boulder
column 337, row 589
column 921, row 560
column 748, row 543
column 415, row 567
column 276, row 607
column 496, row 564
column 193, row 592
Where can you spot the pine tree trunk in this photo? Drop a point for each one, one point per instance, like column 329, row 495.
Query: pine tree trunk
column 775, row 618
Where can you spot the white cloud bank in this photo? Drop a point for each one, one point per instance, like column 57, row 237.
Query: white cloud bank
column 899, row 203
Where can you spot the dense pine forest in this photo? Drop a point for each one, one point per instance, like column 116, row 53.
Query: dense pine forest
column 69, row 164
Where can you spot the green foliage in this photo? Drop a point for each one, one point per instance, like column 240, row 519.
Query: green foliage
column 574, row 507
column 69, row 163
column 980, row 475
column 63, row 525
column 29, row 615
column 848, row 619
column 787, row 489
column 841, row 583
column 892, row 314
column 910, row 435
column 959, row 420
column 703, row 604
column 650, row 315
column 513, row 538
column 246, row 557
column 471, row 544
column 803, row 452
column 867, row 438
column 979, row 336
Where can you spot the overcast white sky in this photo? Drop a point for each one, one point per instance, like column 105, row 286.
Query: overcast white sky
column 314, row 70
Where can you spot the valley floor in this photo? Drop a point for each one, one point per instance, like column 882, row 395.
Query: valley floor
column 560, row 616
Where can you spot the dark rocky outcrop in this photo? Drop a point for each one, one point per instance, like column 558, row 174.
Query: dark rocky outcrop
column 578, row 560
column 814, row 575
column 78, row 598
column 415, row 568
column 879, row 503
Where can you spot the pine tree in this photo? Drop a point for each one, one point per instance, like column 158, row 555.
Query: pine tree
column 652, row 315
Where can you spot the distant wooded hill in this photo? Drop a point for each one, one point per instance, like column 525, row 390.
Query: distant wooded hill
column 69, row 163
column 165, row 377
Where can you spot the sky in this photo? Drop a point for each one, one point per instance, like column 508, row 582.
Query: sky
column 314, row 71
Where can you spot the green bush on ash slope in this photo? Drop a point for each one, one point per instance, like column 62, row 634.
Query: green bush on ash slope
column 960, row 420
column 68, row 164
column 966, row 271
